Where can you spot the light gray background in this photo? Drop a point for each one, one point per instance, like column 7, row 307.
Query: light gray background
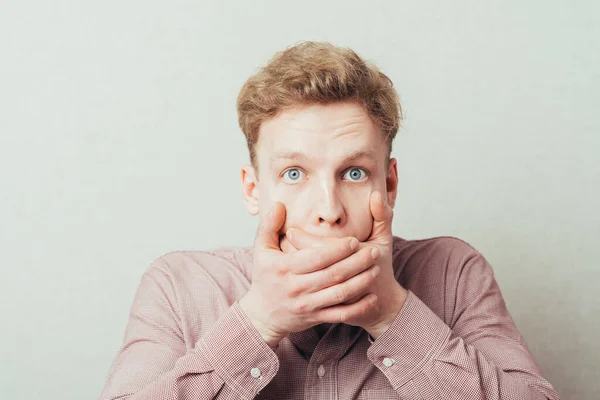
column 119, row 143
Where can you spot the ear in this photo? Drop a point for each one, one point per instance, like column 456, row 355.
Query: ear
column 391, row 182
column 250, row 189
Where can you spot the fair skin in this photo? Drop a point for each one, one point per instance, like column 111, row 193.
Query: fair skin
column 324, row 194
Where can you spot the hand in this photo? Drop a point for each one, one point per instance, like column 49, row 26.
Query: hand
column 293, row 292
column 391, row 296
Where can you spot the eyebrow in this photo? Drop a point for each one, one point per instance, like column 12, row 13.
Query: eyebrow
column 298, row 156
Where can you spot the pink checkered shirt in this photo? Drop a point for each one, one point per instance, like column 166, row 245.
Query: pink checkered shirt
column 187, row 337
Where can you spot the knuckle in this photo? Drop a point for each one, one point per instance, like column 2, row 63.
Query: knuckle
column 369, row 306
column 294, row 289
column 319, row 259
column 335, row 274
column 340, row 294
column 281, row 268
column 300, row 307
column 344, row 316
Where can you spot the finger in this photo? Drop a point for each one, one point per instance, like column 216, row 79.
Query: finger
column 382, row 216
column 309, row 260
column 267, row 236
column 344, row 291
column 301, row 239
column 285, row 245
column 343, row 313
column 340, row 271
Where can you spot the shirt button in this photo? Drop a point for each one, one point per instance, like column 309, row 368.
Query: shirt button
column 388, row 362
column 255, row 372
column 321, row 371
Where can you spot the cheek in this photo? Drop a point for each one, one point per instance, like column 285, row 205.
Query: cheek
column 296, row 207
column 361, row 219
column 267, row 195
column 360, row 222
column 294, row 203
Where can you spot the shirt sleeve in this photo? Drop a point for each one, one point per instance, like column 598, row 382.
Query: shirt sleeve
column 230, row 361
column 479, row 355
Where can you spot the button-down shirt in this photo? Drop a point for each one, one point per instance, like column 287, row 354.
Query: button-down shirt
column 188, row 338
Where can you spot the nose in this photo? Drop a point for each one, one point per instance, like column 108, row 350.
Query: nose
column 329, row 208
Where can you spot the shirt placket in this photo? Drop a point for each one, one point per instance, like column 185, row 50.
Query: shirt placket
column 322, row 372
column 321, row 379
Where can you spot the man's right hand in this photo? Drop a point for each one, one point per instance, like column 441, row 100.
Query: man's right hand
column 291, row 292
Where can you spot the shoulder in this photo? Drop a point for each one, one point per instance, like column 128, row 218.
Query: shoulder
column 435, row 252
column 192, row 289
column 444, row 272
column 223, row 269
column 438, row 261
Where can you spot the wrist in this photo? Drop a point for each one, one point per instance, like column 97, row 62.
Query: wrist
column 390, row 316
column 268, row 335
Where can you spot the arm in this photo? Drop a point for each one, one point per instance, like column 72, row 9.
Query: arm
column 479, row 355
column 155, row 363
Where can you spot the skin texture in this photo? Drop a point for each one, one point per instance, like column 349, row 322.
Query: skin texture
column 323, row 176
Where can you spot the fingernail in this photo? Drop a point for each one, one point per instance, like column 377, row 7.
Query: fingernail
column 353, row 244
column 375, row 253
column 289, row 234
column 375, row 271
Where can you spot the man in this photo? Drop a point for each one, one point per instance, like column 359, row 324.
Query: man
column 328, row 303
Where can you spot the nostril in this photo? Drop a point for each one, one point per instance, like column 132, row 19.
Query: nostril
column 337, row 221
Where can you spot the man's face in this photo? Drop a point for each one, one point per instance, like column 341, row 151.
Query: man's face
column 322, row 162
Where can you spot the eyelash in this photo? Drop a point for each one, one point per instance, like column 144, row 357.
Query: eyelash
column 366, row 171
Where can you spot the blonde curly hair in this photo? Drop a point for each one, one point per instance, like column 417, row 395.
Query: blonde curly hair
column 317, row 73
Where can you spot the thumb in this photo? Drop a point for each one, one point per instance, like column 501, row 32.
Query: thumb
column 267, row 236
column 382, row 217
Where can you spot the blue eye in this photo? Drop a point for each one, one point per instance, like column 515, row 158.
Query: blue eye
column 356, row 174
column 293, row 175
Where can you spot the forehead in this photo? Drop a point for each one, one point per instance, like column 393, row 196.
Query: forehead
column 320, row 133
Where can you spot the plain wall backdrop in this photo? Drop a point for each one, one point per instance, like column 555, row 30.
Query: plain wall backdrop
column 119, row 142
